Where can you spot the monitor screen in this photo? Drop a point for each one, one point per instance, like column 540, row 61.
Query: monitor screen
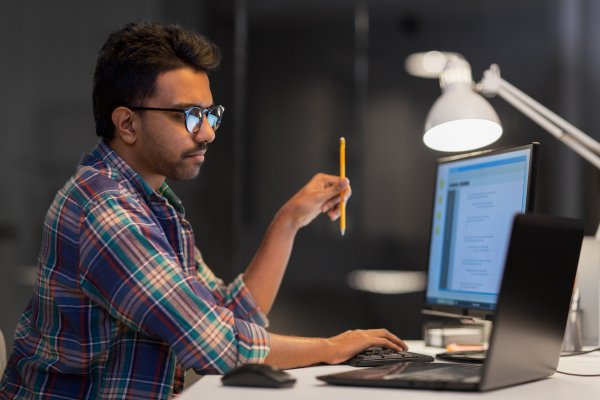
column 476, row 198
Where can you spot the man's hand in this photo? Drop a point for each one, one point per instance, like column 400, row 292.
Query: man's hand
column 320, row 195
column 349, row 343
column 293, row 352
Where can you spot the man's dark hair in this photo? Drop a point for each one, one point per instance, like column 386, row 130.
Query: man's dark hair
column 132, row 58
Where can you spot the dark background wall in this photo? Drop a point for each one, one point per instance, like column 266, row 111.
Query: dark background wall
column 297, row 75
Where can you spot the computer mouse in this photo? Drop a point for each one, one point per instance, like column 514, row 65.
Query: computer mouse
column 258, row 375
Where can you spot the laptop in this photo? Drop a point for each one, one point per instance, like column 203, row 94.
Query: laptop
column 529, row 321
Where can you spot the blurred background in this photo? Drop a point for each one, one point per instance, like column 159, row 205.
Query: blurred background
column 297, row 75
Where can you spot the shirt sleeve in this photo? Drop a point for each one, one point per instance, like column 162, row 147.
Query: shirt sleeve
column 128, row 267
column 234, row 296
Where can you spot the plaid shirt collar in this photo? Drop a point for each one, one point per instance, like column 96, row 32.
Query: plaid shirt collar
column 120, row 171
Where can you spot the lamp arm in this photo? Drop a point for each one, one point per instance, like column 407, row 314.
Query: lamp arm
column 556, row 131
column 546, row 113
column 578, row 141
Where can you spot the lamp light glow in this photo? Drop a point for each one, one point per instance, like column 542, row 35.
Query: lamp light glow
column 462, row 135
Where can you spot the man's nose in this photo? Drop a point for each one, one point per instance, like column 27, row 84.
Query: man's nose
column 206, row 132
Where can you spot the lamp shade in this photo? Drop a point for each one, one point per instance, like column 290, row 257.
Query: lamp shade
column 461, row 120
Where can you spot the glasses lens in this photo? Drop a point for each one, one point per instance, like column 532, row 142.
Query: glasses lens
column 214, row 117
column 193, row 119
column 192, row 123
column 213, row 121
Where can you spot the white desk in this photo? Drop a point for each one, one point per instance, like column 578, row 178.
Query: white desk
column 558, row 386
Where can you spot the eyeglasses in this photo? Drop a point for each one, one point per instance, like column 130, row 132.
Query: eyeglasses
column 194, row 116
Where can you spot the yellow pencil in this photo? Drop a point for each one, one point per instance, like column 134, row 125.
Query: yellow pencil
column 343, row 176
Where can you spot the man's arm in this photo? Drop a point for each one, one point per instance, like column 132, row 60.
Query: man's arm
column 293, row 352
column 264, row 274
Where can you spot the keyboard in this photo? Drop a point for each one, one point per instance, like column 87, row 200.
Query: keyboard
column 375, row 356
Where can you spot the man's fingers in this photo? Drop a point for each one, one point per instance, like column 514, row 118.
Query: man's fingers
column 335, row 184
column 383, row 342
column 384, row 333
column 333, row 203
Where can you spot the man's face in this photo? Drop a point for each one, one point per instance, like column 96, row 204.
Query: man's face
column 165, row 147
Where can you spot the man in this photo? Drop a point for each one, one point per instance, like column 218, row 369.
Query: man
column 123, row 302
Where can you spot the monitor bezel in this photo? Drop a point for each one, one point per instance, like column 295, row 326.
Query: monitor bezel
column 461, row 311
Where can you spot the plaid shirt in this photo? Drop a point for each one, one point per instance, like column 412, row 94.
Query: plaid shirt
column 123, row 302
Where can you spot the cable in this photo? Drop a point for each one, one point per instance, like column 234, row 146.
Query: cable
column 578, row 353
column 572, row 374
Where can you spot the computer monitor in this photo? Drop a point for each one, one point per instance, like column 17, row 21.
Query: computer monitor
column 476, row 198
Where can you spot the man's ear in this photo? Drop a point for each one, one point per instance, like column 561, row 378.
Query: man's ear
column 123, row 118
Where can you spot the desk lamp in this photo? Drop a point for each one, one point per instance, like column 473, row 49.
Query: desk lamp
column 461, row 119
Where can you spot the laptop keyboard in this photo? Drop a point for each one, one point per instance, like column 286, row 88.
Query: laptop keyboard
column 375, row 356
column 449, row 373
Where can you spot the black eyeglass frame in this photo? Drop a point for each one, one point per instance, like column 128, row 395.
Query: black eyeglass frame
column 188, row 113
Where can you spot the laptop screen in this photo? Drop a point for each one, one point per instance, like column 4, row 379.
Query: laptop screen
column 476, row 198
